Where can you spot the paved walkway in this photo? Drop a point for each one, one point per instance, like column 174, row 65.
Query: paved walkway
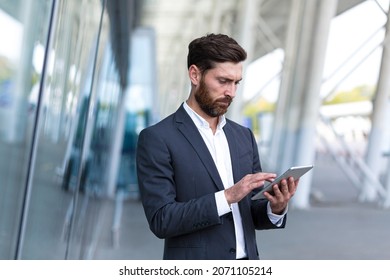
column 336, row 226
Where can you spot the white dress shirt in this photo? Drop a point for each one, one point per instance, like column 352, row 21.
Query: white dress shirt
column 219, row 150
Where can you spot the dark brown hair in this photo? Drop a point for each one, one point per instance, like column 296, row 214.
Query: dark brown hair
column 207, row 50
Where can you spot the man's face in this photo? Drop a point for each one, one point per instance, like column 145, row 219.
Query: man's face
column 217, row 88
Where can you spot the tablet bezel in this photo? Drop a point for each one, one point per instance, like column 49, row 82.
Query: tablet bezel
column 296, row 172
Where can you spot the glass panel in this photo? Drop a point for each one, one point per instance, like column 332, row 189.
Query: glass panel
column 23, row 31
column 83, row 189
column 57, row 176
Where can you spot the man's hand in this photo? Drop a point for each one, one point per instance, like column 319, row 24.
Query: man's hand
column 282, row 195
column 248, row 183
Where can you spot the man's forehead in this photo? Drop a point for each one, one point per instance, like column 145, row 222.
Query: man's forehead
column 228, row 70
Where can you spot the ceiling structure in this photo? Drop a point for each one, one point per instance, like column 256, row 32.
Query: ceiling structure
column 176, row 23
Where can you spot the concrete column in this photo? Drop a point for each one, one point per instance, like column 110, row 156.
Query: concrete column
column 296, row 93
column 288, row 78
column 374, row 153
column 297, row 110
column 216, row 18
column 305, row 148
column 250, row 12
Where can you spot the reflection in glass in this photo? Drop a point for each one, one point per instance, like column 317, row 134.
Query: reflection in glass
column 20, row 70
column 82, row 166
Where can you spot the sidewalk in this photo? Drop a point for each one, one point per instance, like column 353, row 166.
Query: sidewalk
column 335, row 227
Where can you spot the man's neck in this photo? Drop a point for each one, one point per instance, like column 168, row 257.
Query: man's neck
column 213, row 121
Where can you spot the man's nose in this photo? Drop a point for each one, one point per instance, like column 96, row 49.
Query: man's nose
column 231, row 90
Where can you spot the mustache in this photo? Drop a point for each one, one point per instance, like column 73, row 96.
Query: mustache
column 227, row 99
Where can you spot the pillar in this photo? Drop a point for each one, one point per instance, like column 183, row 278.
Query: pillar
column 374, row 153
column 293, row 141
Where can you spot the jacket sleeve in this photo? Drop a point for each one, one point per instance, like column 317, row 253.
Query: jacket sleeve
column 166, row 216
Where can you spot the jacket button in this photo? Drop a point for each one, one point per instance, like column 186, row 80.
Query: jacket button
column 232, row 251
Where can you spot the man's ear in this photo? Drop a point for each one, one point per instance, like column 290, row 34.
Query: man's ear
column 194, row 74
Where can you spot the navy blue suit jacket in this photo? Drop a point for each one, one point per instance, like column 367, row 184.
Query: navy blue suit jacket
column 178, row 178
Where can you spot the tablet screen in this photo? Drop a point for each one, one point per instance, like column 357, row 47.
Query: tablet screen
column 296, row 172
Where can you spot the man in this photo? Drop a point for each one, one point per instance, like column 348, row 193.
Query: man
column 197, row 170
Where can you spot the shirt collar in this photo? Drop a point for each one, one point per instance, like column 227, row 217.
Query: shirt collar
column 201, row 122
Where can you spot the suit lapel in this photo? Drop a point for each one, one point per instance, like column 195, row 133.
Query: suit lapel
column 187, row 127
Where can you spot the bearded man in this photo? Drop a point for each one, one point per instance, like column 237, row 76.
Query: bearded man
column 197, row 170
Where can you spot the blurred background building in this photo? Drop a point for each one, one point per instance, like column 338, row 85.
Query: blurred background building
column 79, row 79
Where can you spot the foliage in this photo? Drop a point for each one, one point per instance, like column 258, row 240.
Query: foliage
column 360, row 93
column 5, row 69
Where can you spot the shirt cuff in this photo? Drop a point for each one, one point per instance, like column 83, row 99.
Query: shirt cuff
column 277, row 220
column 222, row 204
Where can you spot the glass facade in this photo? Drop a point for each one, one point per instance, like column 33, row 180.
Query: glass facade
column 74, row 93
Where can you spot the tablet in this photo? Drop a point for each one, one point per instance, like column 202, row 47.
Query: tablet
column 296, row 172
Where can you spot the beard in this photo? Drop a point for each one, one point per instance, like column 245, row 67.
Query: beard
column 213, row 108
